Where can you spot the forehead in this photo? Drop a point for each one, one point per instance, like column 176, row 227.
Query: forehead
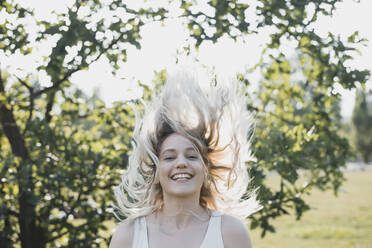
column 177, row 142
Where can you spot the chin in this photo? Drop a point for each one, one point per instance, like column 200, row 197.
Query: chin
column 182, row 192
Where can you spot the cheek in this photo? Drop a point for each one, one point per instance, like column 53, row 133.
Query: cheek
column 163, row 172
column 201, row 172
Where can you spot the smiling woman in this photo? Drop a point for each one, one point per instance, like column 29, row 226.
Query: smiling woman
column 186, row 181
column 181, row 172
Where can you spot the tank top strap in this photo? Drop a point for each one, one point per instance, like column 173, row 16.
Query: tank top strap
column 140, row 239
column 213, row 237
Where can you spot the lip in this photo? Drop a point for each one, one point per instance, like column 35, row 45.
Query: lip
column 181, row 179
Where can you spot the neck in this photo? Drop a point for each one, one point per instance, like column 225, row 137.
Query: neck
column 179, row 213
column 177, row 206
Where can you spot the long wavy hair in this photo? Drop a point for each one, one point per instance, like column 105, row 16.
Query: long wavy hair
column 214, row 117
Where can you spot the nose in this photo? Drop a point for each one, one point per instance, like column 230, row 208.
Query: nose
column 181, row 162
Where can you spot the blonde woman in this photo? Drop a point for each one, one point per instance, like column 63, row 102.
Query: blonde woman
column 186, row 181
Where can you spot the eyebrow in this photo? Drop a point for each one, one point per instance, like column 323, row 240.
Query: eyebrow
column 173, row 150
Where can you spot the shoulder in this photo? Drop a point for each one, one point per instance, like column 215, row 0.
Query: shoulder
column 234, row 233
column 123, row 235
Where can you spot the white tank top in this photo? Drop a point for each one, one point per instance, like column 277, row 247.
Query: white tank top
column 212, row 239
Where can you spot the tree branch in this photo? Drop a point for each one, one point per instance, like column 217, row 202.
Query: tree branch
column 30, row 88
column 252, row 108
column 55, row 85
column 56, row 237
column 31, row 109
column 69, row 73
column 11, row 129
column 64, row 219
column 14, row 213
column 49, row 107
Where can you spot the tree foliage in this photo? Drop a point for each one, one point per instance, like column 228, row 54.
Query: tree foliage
column 362, row 125
column 61, row 152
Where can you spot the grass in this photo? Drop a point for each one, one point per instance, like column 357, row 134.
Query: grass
column 333, row 222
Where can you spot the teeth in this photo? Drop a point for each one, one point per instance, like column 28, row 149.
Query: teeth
column 179, row 176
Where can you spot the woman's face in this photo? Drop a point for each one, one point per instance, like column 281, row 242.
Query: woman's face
column 180, row 168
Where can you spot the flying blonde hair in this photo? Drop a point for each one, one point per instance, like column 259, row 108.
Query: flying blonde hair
column 214, row 117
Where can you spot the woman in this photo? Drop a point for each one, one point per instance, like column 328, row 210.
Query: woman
column 186, row 181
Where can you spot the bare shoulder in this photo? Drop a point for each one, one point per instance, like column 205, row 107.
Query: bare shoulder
column 234, row 233
column 123, row 235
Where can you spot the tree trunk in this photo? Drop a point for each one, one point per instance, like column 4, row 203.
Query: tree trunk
column 27, row 213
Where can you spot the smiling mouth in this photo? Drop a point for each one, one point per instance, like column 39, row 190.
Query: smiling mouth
column 181, row 177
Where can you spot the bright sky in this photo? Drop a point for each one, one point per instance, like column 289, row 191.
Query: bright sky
column 160, row 44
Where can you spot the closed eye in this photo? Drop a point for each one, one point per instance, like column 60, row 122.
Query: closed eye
column 168, row 158
column 193, row 157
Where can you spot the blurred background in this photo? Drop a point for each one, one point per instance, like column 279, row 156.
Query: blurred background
column 69, row 69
